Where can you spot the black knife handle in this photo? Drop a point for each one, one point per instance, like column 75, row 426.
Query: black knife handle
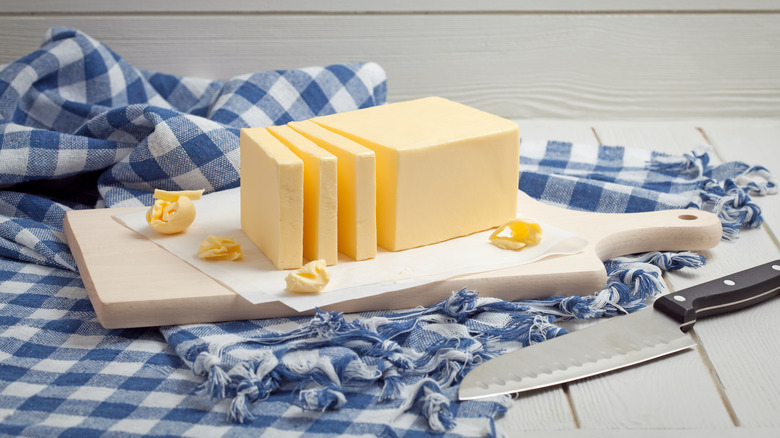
column 726, row 294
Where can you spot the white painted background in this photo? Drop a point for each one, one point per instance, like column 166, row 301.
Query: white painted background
column 664, row 75
column 559, row 58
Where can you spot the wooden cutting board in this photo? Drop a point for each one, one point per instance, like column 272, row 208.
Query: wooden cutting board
column 132, row 282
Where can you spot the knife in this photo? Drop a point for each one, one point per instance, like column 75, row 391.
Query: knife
column 623, row 341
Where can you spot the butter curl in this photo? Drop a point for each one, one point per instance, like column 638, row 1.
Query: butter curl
column 310, row 278
column 173, row 211
column 516, row 234
column 219, row 248
column 171, row 217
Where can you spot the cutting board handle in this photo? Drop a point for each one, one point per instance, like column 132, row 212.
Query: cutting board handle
column 667, row 230
column 617, row 234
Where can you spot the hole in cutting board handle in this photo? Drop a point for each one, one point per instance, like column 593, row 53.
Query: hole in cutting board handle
column 688, row 217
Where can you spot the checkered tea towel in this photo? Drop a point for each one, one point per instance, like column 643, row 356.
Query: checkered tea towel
column 81, row 128
column 620, row 180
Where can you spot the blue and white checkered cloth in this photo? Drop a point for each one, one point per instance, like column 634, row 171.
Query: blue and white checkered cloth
column 81, row 128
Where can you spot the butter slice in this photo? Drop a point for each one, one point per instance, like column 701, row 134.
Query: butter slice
column 356, row 189
column 444, row 169
column 320, row 199
column 173, row 196
column 272, row 197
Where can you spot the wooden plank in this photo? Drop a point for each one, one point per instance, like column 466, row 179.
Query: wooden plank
column 514, row 65
column 547, row 129
column 744, row 351
column 708, row 432
column 666, row 394
column 675, row 392
column 548, row 410
column 671, row 137
column 428, row 6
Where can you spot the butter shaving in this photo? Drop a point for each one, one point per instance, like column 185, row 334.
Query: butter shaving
column 171, row 217
column 516, row 234
column 219, row 248
column 310, row 278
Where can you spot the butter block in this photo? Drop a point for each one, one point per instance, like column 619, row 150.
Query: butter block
column 444, row 169
column 356, row 189
column 320, row 195
column 272, row 197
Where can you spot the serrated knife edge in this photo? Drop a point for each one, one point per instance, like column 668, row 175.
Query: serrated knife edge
column 498, row 386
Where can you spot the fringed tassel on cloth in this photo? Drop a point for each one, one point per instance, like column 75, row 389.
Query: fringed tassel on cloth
column 758, row 181
column 435, row 406
column 216, row 385
column 732, row 204
column 724, row 190
column 427, row 348
column 411, row 355
column 630, row 280
column 691, row 164
column 321, row 398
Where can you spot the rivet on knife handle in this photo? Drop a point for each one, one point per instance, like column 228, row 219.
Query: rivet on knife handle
column 726, row 294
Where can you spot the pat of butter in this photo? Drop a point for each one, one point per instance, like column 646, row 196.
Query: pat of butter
column 219, row 248
column 356, row 189
column 516, row 234
column 173, row 211
column 310, row 278
column 272, row 197
column 443, row 169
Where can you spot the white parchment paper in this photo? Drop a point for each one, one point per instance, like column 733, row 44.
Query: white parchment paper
column 256, row 279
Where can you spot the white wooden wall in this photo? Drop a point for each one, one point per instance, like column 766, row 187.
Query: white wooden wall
column 518, row 59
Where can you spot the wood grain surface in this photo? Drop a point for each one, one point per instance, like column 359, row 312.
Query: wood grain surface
column 518, row 64
column 399, row 6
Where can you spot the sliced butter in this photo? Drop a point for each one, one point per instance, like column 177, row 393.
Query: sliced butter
column 173, row 196
column 272, row 197
column 320, row 199
column 444, row 169
column 356, row 189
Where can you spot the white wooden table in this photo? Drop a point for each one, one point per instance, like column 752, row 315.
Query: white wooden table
column 729, row 385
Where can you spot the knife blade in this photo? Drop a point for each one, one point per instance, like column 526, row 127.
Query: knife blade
column 622, row 341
